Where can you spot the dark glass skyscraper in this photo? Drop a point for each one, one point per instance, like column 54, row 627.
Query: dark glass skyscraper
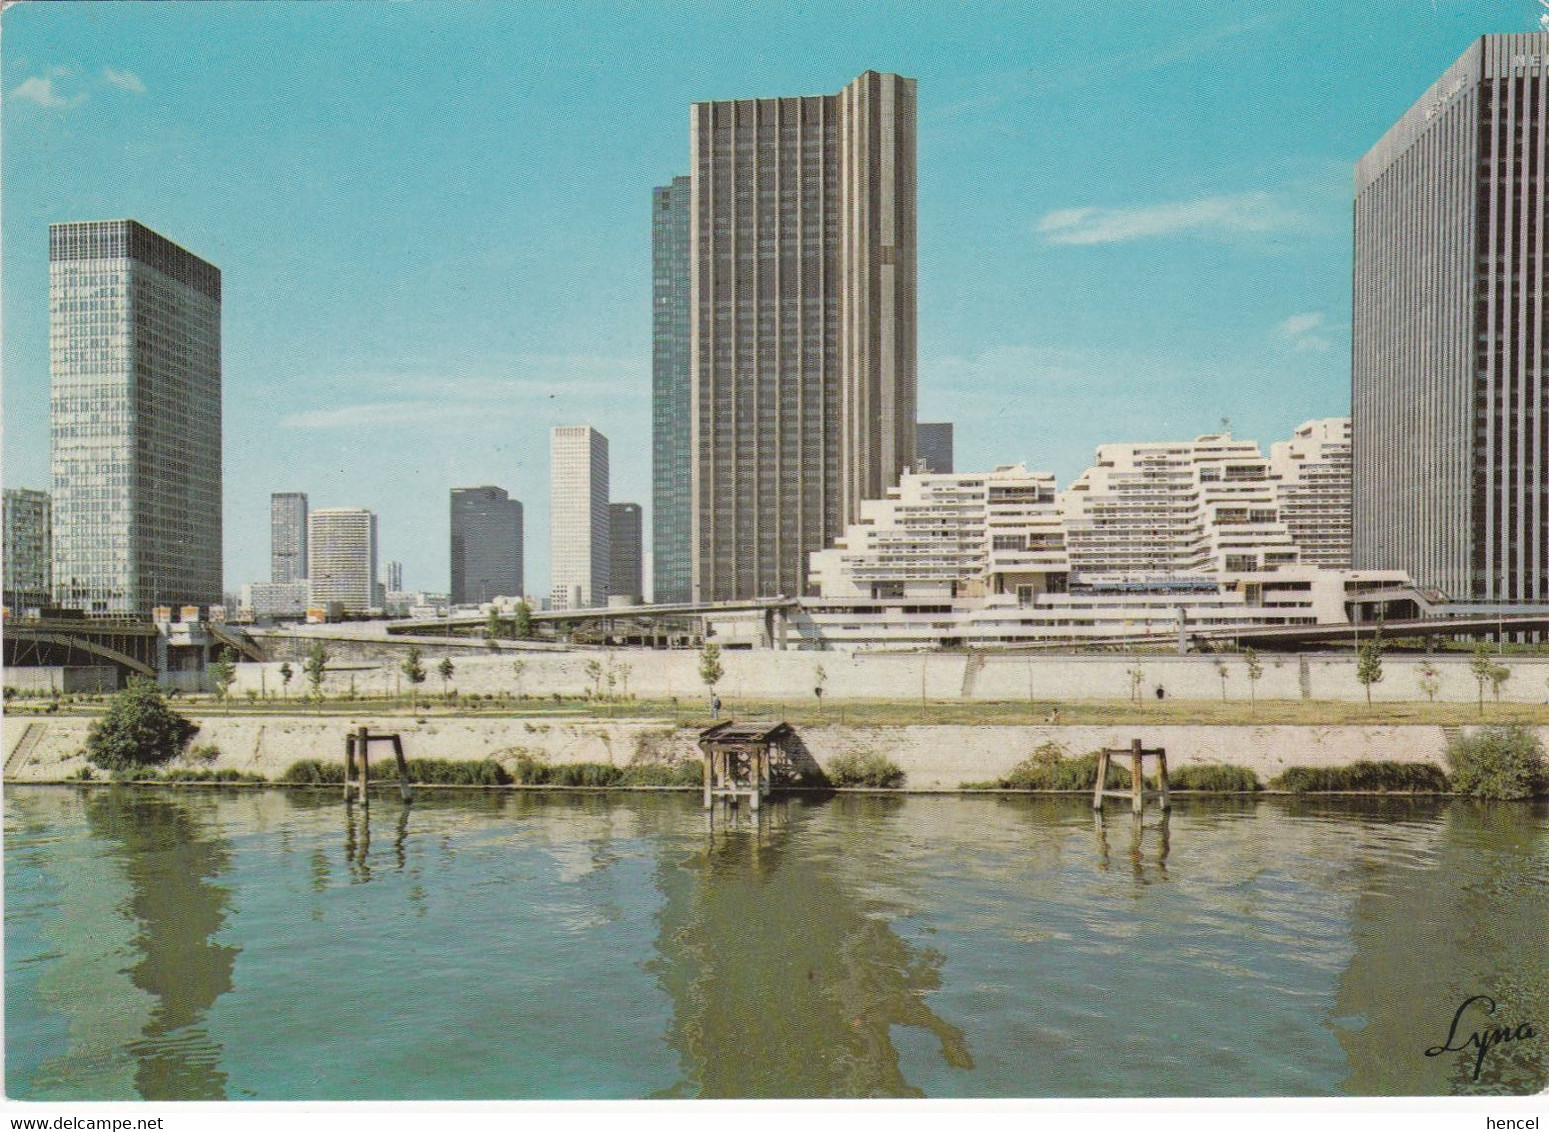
column 802, row 324
column 1450, row 420
column 625, row 547
column 486, row 545
column 672, row 568
column 135, row 419
column 933, row 446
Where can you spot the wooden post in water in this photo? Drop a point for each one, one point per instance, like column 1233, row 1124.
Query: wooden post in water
column 403, row 768
column 1137, row 784
column 1102, row 779
column 709, row 759
column 363, row 745
column 349, row 763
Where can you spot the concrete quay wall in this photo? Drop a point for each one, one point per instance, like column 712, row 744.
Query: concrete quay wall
column 776, row 675
column 934, row 756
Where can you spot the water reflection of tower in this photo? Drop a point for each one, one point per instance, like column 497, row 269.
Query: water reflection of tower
column 781, row 983
column 168, row 857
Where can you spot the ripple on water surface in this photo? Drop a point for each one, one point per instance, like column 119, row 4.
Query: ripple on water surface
column 275, row 944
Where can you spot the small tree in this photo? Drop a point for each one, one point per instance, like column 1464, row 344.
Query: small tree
column 521, row 628
column 1137, row 677
column 1499, row 674
column 819, row 679
column 413, row 670
column 710, row 670
column 446, row 670
column 518, row 667
column 223, row 673
column 1223, row 672
column 316, row 667
column 1430, row 680
column 1482, row 667
column 138, row 730
column 1250, row 660
column 286, row 672
column 594, row 673
column 624, row 670
column 1368, row 663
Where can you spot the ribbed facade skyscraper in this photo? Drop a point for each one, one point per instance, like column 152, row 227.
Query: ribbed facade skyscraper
column 802, row 314
column 135, row 419
column 1450, row 418
column 672, row 514
column 288, row 536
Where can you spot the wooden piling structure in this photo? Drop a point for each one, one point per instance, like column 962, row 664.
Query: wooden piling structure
column 357, row 745
column 739, row 759
column 1137, row 792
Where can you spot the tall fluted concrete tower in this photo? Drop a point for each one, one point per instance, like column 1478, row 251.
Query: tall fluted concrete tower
column 802, row 311
column 1449, row 406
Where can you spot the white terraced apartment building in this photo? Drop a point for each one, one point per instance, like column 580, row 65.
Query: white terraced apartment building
column 1207, row 505
column 1200, row 532
column 1313, row 470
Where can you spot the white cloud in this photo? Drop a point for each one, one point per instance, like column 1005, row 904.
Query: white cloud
column 418, row 396
column 1210, row 216
column 40, row 89
column 124, row 80
column 1301, row 332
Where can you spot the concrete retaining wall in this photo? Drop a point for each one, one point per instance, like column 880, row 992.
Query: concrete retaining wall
column 767, row 674
column 933, row 756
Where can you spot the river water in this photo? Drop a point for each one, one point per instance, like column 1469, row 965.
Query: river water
column 272, row 944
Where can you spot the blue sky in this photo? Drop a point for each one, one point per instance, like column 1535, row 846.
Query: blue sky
column 433, row 219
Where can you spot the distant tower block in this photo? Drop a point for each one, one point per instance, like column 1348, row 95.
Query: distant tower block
column 933, row 446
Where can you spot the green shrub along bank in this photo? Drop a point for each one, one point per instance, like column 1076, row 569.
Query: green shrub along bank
column 1381, row 777
column 175, row 774
column 873, row 770
column 1215, row 778
column 138, row 730
column 1049, row 767
column 527, row 771
column 1505, row 762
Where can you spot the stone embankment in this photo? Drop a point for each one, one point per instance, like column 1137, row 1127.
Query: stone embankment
column 935, row 757
column 938, row 676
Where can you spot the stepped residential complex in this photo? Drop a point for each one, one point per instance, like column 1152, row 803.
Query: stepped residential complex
column 1154, row 538
column 1448, row 391
column 801, row 228
column 135, row 419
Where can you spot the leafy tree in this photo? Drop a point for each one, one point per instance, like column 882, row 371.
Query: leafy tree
column 138, row 730
column 286, row 672
column 316, row 667
column 522, row 627
column 446, row 669
column 819, row 678
column 1250, row 660
column 1499, row 674
column 518, row 667
column 1368, row 663
column 492, row 624
column 710, row 670
column 1498, row 762
column 624, row 670
column 224, row 672
column 413, row 670
column 1223, row 672
column 1430, row 681
column 594, row 674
